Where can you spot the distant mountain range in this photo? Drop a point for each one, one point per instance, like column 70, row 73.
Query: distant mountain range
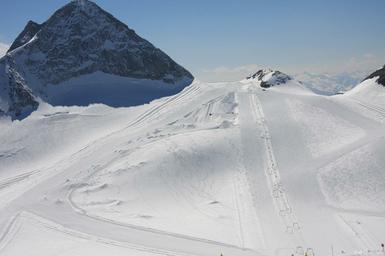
column 330, row 84
column 319, row 83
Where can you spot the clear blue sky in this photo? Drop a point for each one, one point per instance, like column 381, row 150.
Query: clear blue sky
column 205, row 34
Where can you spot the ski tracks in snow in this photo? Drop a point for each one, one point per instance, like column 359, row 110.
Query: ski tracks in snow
column 17, row 221
column 15, row 179
column 277, row 190
column 373, row 108
column 146, row 116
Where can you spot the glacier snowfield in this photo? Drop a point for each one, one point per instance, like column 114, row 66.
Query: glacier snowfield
column 220, row 168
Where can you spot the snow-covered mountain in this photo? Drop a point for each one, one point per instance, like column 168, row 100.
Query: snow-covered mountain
column 84, row 55
column 371, row 91
column 269, row 78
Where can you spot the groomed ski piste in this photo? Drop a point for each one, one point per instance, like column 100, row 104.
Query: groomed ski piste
column 220, row 168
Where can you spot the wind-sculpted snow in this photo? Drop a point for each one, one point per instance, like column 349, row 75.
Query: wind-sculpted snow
column 323, row 131
column 185, row 188
column 356, row 180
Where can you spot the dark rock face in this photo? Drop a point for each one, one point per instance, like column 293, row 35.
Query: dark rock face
column 258, row 75
column 380, row 74
column 26, row 35
column 21, row 102
column 268, row 77
column 80, row 39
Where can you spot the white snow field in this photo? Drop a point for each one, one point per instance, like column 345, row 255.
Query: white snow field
column 220, row 168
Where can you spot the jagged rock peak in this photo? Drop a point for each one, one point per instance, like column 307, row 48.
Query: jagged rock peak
column 56, row 60
column 269, row 77
column 81, row 2
column 26, row 35
column 380, row 73
column 260, row 74
column 84, row 5
column 81, row 38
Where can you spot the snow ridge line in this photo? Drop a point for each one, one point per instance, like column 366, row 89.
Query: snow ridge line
column 278, row 194
column 59, row 228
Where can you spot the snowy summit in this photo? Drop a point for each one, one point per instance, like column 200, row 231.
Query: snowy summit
column 269, row 78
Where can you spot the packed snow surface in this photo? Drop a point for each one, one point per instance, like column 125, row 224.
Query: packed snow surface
column 220, row 168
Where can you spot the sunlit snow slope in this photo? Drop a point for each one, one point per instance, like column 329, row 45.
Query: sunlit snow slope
column 228, row 168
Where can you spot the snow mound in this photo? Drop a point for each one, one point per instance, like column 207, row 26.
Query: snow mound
column 371, row 92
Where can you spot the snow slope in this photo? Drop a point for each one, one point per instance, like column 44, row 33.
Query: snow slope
column 369, row 92
column 229, row 168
